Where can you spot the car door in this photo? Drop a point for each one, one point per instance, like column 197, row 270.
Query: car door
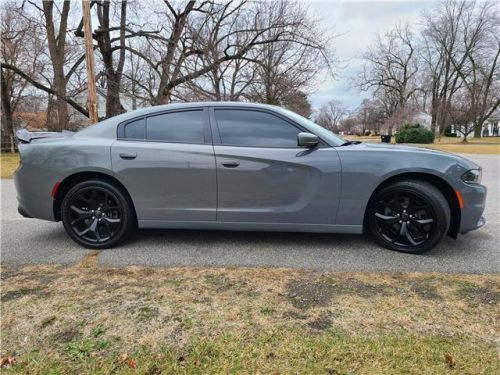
column 264, row 177
column 167, row 163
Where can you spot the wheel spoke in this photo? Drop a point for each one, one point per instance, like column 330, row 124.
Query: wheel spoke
column 424, row 221
column 386, row 217
column 112, row 221
column 403, row 232
column 79, row 211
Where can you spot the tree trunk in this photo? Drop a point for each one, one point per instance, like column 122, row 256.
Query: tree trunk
column 478, row 128
column 57, row 45
column 7, row 122
column 62, row 107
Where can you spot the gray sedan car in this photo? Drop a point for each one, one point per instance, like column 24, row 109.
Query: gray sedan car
column 240, row 166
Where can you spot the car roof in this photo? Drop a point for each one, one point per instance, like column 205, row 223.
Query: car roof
column 107, row 128
column 164, row 107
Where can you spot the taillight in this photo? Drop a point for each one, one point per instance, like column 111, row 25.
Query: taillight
column 54, row 190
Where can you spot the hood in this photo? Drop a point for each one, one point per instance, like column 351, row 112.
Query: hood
column 387, row 147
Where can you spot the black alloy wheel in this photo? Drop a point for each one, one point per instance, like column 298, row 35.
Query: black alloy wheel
column 409, row 216
column 96, row 214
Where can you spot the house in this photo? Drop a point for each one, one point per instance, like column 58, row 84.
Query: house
column 423, row 119
column 490, row 126
column 78, row 120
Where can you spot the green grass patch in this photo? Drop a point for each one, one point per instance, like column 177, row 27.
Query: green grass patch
column 281, row 351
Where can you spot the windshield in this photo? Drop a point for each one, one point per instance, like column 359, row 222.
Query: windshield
column 329, row 136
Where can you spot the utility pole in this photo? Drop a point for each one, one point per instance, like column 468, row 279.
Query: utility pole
column 89, row 59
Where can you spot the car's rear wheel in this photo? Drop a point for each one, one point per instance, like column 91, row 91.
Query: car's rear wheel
column 409, row 216
column 97, row 215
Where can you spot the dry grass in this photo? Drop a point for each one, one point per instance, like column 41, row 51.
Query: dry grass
column 8, row 164
column 82, row 319
column 487, row 145
column 465, row 148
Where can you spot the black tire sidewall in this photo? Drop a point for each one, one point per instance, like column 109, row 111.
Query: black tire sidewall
column 432, row 195
column 127, row 214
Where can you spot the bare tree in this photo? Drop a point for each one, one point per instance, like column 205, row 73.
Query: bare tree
column 391, row 69
column 331, row 115
column 444, row 55
column 462, row 115
column 19, row 44
column 371, row 115
column 295, row 62
column 56, row 40
column 51, row 21
column 480, row 73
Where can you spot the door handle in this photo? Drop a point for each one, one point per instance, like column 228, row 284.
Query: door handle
column 128, row 155
column 230, row 164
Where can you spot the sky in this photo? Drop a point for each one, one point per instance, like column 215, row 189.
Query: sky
column 357, row 23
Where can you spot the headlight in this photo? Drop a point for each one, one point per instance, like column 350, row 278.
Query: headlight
column 472, row 177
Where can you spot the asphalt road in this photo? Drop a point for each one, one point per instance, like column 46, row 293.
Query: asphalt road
column 30, row 241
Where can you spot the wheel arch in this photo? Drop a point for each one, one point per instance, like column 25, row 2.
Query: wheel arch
column 441, row 184
column 71, row 180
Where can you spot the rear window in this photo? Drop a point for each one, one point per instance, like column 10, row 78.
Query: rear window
column 179, row 127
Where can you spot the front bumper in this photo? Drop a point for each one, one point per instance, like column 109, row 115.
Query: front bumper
column 480, row 223
column 474, row 198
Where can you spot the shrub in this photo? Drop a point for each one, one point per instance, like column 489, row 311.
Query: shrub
column 414, row 133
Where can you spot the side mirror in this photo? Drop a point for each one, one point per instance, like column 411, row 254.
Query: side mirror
column 307, row 140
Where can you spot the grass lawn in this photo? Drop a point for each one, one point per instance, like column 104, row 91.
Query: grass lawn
column 465, row 148
column 487, row 145
column 8, row 164
column 92, row 319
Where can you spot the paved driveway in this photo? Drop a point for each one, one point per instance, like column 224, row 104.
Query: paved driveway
column 28, row 241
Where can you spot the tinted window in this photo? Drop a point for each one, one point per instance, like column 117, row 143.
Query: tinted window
column 184, row 127
column 255, row 129
column 135, row 129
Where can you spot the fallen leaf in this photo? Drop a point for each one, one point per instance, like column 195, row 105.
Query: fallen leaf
column 7, row 361
column 132, row 363
column 124, row 358
column 449, row 360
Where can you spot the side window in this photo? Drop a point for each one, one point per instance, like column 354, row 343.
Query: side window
column 183, row 127
column 135, row 129
column 254, row 129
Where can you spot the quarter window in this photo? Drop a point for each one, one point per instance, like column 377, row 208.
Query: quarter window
column 254, row 129
column 183, row 127
column 135, row 129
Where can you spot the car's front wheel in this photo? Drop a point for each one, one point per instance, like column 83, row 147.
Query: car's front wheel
column 96, row 214
column 410, row 216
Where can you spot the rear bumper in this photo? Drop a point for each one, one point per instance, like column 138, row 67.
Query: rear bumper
column 23, row 212
column 33, row 194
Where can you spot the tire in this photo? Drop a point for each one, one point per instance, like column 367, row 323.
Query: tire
column 409, row 216
column 97, row 214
